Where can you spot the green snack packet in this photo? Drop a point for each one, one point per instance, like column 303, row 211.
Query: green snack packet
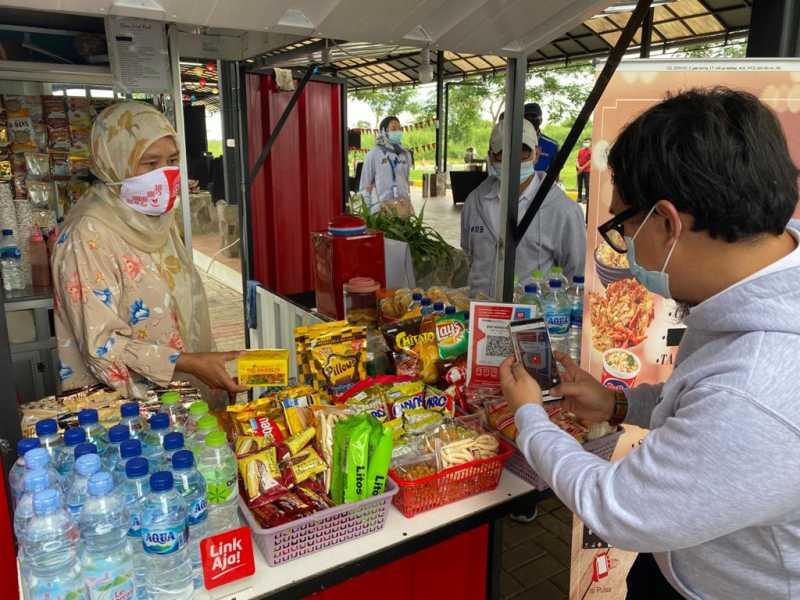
column 341, row 438
column 355, row 480
column 452, row 335
column 375, row 431
column 379, row 462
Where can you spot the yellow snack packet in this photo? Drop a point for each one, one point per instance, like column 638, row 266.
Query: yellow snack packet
column 268, row 368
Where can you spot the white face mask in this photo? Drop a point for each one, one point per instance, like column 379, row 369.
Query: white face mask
column 153, row 193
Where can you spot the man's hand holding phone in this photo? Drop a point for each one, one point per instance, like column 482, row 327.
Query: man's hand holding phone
column 583, row 394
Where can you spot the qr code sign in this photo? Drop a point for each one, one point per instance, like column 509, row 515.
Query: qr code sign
column 498, row 346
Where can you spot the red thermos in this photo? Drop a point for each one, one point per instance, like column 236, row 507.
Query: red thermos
column 345, row 251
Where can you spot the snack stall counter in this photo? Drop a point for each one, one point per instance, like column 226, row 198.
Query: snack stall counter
column 470, row 526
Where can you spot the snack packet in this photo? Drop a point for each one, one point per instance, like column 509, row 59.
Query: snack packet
column 265, row 368
column 369, row 401
column 419, row 420
column 341, row 439
column 439, row 401
column 261, row 477
column 402, row 338
column 379, row 460
column 452, row 336
column 295, row 444
column 338, row 362
column 249, row 444
column 296, row 403
column 415, row 466
column 404, row 395
column 296, row 469
column 357, row 463
column 501, row 418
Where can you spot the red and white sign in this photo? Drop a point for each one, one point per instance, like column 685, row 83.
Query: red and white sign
column 153, row 193
column 490, row 340
column 226, row 557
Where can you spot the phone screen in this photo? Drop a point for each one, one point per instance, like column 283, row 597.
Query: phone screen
column 533, row 350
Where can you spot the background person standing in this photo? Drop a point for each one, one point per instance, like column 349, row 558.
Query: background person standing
column 583, row 165
column 385, row 180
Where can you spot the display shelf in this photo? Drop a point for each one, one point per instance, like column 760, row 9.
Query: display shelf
column 399, row 536
column 28, row 299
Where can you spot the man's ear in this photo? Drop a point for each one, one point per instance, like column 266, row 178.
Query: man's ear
column 671, row 218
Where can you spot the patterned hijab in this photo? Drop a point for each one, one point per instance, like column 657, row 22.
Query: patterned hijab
column 121, row 134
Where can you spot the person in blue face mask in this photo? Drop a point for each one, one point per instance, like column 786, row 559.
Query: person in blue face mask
column 556, row 236
column 704, row 190
column 385, row 178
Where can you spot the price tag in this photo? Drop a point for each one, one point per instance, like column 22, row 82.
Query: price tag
column 226, row 557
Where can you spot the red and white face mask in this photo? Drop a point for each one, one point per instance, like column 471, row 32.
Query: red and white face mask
column 153, row 193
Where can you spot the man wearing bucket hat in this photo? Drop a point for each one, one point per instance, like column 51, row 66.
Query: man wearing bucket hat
column 704, row 190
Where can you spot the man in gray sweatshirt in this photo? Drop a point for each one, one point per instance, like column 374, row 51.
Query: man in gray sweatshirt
column 704, row 190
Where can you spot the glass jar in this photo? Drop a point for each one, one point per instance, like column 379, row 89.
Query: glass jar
column 361, row 301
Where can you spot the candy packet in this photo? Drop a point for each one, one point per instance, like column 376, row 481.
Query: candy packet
column 296, row 469
column 248, row 444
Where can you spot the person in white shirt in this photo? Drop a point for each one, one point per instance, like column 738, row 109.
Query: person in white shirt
column 385, row 179
column 556, row 236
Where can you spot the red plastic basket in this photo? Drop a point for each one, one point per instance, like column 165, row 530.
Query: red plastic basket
column 450, row 485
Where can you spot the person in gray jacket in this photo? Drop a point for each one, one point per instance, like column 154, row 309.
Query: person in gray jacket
column 556, row 236
column 704, row 190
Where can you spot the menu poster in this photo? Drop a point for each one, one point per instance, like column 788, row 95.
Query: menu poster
column 139, row 54
column 630, row 335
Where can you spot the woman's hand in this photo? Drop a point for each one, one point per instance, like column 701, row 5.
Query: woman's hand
column 519, row 388
column 583, row 394
column 210, row 368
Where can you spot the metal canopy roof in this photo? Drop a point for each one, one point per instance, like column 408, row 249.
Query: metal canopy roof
column 675, row 23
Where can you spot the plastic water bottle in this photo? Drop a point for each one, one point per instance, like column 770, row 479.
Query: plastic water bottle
column 449, row 310
column 127, row 450
column 557, row 312
column 538, row 278
column 519, row 290
column 197, row 411
column 575, row 295
column 426, row 306
column 65, row 458
column 196, row 441
column 11, row 268
column 416, row 300
column 50, row 551
column 191, row 485
column 35, row 481
column 135, row 490
column 107, row 559
column 95, row 433
column 17, row 471
column 165, row 540
column 47, row 432
column 558, row 273
column 9, row 240
column 217, row 465
column 171, row 405
column 438, row 308
column 153, row 445
column 38, row 458
column 131, row 418
column 85, row 466
column 173, row 442
column 532, row 298
column 84, row 448
column 111, row 455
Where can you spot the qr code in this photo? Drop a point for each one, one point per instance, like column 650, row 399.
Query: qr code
column 498, row 345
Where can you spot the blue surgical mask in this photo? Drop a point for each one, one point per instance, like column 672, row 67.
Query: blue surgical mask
column 525, row 170
column 655, row 281
column 395, row 136
column 493, row 168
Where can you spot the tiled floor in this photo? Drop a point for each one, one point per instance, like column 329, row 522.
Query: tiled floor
column 536, row 556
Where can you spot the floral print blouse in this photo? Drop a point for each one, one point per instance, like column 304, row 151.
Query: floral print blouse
column 115, row 315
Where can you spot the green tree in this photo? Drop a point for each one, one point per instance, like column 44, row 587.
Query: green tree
column 389, row 101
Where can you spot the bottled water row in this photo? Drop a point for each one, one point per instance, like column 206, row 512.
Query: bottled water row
column 121, row 513
column 561, row 307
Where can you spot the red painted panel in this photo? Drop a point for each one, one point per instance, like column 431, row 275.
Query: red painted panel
column 454, row 568
column 300, row 186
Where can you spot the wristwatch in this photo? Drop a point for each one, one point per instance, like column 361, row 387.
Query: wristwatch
column 620, row 408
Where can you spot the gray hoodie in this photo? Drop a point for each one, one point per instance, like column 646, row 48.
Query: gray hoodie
column 714, row 489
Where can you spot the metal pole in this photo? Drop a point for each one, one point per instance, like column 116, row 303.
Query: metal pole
column 614, row 58
column 647, row 34
column 516, row 73
column 774, row 28
column 439, row 110
column 180, row 127
column 446, row 124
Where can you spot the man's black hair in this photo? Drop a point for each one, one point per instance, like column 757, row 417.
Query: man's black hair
column 717, row 154
column 387, row 121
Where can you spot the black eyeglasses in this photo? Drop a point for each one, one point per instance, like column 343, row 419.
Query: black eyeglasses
column 613, row 230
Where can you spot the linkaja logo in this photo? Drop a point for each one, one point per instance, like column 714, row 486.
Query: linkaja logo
column 227, row 557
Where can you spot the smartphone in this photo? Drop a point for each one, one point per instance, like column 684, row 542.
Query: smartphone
column 533, row 350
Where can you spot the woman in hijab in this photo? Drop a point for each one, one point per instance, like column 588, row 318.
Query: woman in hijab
column 387, row 167
column 129, row 305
